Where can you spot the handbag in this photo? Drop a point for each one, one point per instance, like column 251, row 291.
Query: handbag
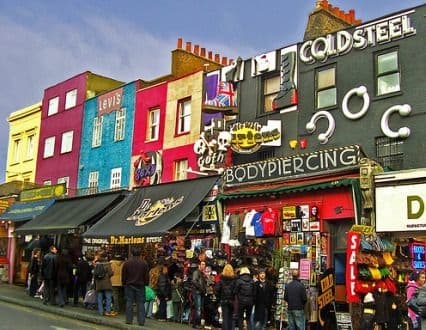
column 90, row 297
column 155, row 307
column 412, row 303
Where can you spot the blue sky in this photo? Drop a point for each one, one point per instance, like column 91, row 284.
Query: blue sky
column 44, row 42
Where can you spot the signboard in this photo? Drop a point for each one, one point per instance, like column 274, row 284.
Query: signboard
column 302, row 165
column 4, row 204
column 408, row 208
column 45, row 192
column 326, row 296
column 418, row 254
column 344, row 321
column 110, row 101
column 305, row 269
column 354, row 242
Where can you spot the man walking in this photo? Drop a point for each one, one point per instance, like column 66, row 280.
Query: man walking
column 199, row 288
column 295, row 295
column 134, row 276
column 48, row 270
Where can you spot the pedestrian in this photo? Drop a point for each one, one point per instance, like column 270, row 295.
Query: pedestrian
column 34, row 271
column 163, row 293
column 421, row 303
column 245, row 292
column 63, row 276
column 264, row 299
column 83, row 277
column 177, row 296
column 48, row 270
column 417, row 280
column 134, row 276
column 117, row 285
column 102, row 273
column 225, row 292
column 199, row 288
column 295, row 296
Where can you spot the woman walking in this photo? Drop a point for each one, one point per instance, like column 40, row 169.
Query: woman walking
column 225, row 293
column 33, row 271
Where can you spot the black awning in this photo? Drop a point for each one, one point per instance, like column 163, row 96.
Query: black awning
column 153, row 210
column 22, row 211
column 69, row 213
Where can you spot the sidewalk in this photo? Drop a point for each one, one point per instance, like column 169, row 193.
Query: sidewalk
column 17, row 295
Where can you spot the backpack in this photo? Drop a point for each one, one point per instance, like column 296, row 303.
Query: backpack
column 100, row 271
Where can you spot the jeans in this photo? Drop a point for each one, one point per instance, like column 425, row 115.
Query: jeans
column 148, row 308
column 49, row 292
column 261, row 324
column 162, row 309
column 117, row 298
column 177, row 311
column 80, row 289
column 227, row 316
column 296, row 320
column 108, row 296
column 62, row 294
column 198, row 305
column 135, row 294
column 247, row 310
column 33, row 285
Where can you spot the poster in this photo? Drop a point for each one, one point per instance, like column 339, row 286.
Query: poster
column 289, row 212
column 305, row 269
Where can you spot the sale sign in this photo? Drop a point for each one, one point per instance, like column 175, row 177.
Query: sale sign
column 354, row 242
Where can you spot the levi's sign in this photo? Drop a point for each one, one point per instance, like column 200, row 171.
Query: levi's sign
column 110, row 101
column 367, row 35
column 298, row 165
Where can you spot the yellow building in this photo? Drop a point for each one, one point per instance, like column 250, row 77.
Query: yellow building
column 24, row 131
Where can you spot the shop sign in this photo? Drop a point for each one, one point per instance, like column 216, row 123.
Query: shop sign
column 418, row 254
column 45, row 192
column 367, row 35
column 368, row 230
column 354, row 242
column 126, row 240
column 148, row 168
column 401, row 207
column 149, row 211
column 95, row 241
column 326, row 294
column 4, row 204
column 302, row 165
column 247, row 138
column 209, row 213
column 110, row 102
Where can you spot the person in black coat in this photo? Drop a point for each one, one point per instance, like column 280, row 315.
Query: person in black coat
column 163, row 293
column 33, row 271
column 63, row 276
column 295, row 295
column 48, row 271
column 264, row 299
column 225, row 293
column 245, row 292
column 82, row 277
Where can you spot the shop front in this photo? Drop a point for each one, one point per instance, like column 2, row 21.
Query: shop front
column 293, row 213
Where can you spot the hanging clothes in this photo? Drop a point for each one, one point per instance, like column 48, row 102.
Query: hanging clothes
column 269, row 220
column 257, row 224
column 249, row 228
column 226, row 230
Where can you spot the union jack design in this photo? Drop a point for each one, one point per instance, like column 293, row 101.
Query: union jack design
column 225, row 96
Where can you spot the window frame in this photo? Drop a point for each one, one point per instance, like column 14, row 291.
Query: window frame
column 120, row 124
column 97, row 131
column 66, row 148
column 68, row 104
column 181, row 118
column 273, row 94
column 153, row 127
column 47, row 182
column 179, row 171
column 318, row 89
column 378, row 75
column 16, row 150
column 52, row 111
column 395, row 152
column 115, row 181
column 93, row 184
column 66, row 180
column 52, row 153
column 30, row 146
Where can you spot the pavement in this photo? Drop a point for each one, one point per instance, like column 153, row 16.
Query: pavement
column 18, row 295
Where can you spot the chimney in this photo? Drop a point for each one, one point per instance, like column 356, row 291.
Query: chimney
column 231, row 60
column 210, row 55
column 217, row 58
column 179, row 43
column 203, row 52
column 188, row 46
column 224, row 60
column 197, row 50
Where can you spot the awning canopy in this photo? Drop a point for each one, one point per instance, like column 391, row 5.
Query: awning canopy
column 67, row 214
column 22, row 211
column 153, row 210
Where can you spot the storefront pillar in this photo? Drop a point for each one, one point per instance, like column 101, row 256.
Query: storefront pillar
column 11, row 250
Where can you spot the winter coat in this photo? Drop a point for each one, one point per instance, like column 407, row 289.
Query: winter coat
column 116, row 266
column 225, row 290
column 264, row 299
column 245, row 290
column 295, row 295
column 34, row 267
column 48, row 267
column 421, row 302
column 199, row 282
column 163, row 286
column 64, row 269
column 411, row 289
column 84, row 271
column 104, row 283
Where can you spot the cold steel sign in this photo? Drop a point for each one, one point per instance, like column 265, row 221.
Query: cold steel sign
column 366, row 35
column 294, row 166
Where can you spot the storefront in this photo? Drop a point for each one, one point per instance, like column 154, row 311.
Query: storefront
column 167, row 220
column 293, row 213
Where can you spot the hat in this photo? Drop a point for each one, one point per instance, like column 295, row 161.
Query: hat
column 368, row 298
column 262, row 270
column 244, row 270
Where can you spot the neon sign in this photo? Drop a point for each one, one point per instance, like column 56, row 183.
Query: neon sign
column 418, row 253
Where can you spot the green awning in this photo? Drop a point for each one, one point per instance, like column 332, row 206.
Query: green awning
column 67, row 214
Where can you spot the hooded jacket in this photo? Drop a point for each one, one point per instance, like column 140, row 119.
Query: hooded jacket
column 411, row 289
column 225, row 290
column 245, row 290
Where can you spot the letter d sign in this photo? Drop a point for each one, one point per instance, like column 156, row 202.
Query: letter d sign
column 411, row 213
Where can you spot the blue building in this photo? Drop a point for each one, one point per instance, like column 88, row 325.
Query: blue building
column 106, row 143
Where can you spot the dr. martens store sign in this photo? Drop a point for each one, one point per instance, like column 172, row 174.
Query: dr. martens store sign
column 302, row 165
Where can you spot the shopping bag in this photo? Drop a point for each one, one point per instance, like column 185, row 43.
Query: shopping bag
column 90, row 297
column 170, row 313
column 155, row 307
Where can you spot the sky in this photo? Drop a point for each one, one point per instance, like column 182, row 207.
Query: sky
column 44, row 42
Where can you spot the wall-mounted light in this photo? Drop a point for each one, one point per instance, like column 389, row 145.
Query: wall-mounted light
column 293, row 144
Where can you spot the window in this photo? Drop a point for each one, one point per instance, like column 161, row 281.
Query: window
column 66, row 145
column 66, row 180
column 47, row 183
column 97, row 132
column 326, row 92
column 93, row 182
column 16, row 150
column 389, row 152
column 71, row 99
column 30, row 146
column 388, row 76
column 266, row 154
column 49, row 147
column 184, row 116
column 271, row 87
column 120, row 122
column 115, row 178
column 153, row 124
column 180, row 168
column 53, row 106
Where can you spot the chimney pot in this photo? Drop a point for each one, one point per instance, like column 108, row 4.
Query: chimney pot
column 231, row 60
column 203, row 52
column 217, row 58
column 196, row 49
column 224, row 60
column 210, row 55
column 188, row 46
column 179, row 43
